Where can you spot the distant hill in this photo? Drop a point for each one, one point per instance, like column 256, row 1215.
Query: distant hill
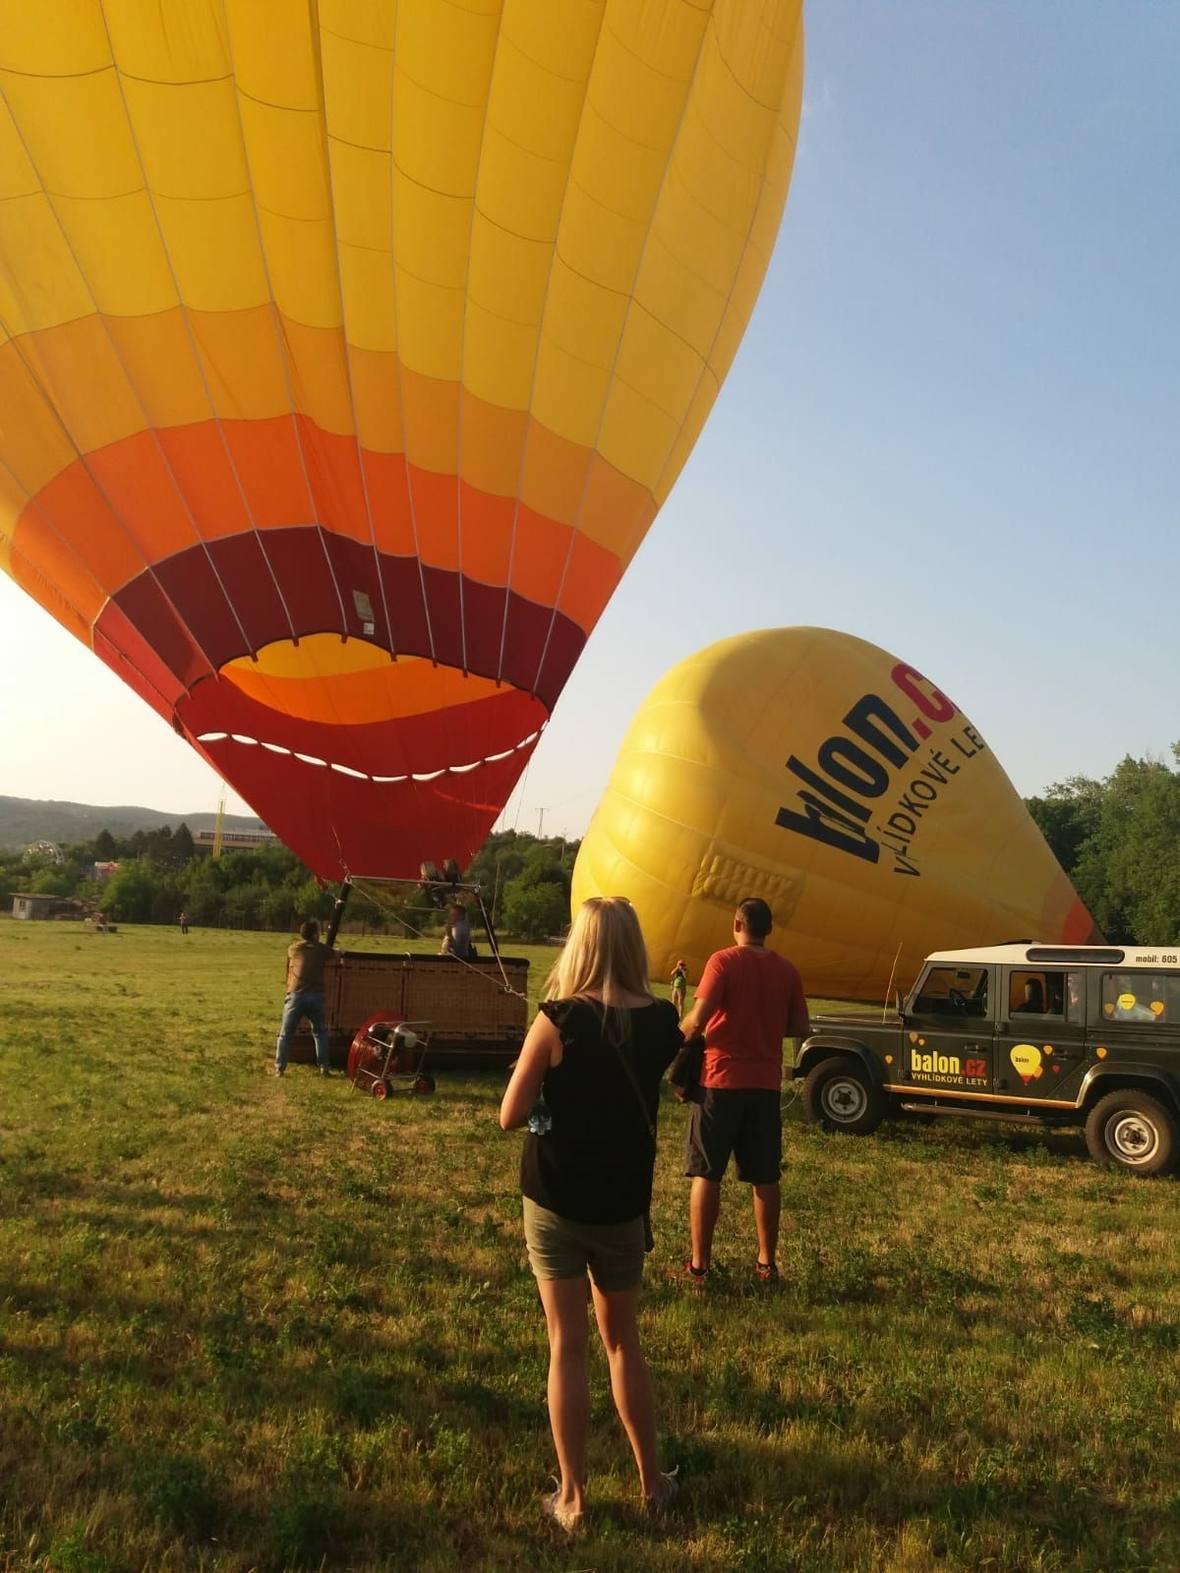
column 26, row 819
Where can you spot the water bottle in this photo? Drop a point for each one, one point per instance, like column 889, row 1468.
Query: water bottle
column 540, row 1120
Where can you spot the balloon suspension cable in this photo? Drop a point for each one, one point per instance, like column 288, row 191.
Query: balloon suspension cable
column 377, row 891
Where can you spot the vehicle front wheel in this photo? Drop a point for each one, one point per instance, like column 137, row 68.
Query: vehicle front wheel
column 839, row 1095
column 1135, row 1131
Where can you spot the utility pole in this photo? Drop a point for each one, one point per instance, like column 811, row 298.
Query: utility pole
column 540, row 824
column 219, row 826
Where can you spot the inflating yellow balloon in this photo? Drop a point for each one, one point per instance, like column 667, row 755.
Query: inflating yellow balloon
column 821, row 773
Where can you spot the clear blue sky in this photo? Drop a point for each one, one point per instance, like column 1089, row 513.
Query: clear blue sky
column 953, row 429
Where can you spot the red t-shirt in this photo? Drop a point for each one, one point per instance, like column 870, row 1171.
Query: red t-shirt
column 758, row 1000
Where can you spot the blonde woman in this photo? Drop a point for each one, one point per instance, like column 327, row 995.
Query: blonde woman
column 595, row 1053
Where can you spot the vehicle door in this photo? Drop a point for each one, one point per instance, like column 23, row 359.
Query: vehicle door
column 949, row 1025
column 1041, row 1033
column 1137, row 1019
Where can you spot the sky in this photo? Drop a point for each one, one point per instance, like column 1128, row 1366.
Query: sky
column 953, row 428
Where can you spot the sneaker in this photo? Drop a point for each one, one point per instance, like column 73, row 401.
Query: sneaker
column 767, row 1272
column 324, row 1071
column 564, row 1517
column 698, row 1276
column 278, row 1070
column 659, row 1503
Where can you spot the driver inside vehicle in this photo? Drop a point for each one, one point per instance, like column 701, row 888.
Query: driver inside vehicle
column 1033, row 1003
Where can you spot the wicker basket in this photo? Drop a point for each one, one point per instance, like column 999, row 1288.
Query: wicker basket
column 471, row 1013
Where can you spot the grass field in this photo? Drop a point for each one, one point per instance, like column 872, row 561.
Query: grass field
column 249, row 1324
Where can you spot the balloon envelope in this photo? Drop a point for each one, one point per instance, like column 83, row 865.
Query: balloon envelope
column 823, row 774
column 347, row 351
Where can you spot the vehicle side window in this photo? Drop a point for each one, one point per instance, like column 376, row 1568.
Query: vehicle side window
column 952, row 991
column 1047, row 993
column 1152, row 998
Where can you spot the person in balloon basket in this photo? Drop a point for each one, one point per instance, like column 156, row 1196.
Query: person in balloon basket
column 748, row 1000
column 588, row 1085
column 457, row 939
column 305, row 997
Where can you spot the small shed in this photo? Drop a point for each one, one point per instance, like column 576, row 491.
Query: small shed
column 33, row 906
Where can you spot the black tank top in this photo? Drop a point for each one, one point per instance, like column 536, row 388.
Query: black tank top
column 595, row 1163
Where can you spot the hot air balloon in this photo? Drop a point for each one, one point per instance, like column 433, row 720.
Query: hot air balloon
column 819, row 772
column 347, row 351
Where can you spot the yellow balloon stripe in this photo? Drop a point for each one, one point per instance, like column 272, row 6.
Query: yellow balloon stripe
column 561, row 209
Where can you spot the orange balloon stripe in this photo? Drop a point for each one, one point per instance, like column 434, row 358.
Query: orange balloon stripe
column 113, row 376
column 126, row 515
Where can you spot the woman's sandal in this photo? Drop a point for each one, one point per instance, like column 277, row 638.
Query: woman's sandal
column 659, row 1503
column 564, row 1517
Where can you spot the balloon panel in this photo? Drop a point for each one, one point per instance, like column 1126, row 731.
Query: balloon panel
column 823, row 774
column 342, row 343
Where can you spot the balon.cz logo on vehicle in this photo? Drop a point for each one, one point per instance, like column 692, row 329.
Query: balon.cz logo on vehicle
column 840, row 795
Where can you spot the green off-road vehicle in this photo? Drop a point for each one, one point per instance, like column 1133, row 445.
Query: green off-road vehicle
column 1056, row 1034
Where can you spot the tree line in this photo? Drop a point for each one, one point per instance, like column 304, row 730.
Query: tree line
column 525, row 884
column 1118, row 839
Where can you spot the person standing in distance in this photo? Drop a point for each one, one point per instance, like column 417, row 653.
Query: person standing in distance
column 305, row 997
column 679, row 985
column 749, row 999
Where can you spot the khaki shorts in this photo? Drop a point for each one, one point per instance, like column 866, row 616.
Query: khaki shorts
column 560, row 1248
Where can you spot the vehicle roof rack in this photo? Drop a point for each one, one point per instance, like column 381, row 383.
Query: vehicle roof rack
column 1066, row 953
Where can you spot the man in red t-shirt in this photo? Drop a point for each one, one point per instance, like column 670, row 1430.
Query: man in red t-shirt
column 749, row 999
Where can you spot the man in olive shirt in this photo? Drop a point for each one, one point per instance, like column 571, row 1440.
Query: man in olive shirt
column 305, row 997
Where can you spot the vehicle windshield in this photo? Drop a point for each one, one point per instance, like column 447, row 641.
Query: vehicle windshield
column 951, row 991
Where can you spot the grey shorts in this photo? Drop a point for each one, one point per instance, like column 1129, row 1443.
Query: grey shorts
column 744, row 1122
column 560, row 1248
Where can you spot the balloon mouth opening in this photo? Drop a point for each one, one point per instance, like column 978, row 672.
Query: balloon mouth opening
column 351, row 681
column 216, row 739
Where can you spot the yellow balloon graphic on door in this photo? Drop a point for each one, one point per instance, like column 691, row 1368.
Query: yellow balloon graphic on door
column 1026, row 1058
column 844, row 787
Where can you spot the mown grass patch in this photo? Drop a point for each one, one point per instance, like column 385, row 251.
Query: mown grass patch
column 252, row 1324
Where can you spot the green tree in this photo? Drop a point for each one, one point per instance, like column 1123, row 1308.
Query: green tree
column 245, row 904
column 1068, row 815
column 131, row 893
column 312, row 902
column 50, row 882
column 104, row 847
column 278, row 910
column 534, row 908
column 183, row 849
column 1128, row 870
column 204, row 891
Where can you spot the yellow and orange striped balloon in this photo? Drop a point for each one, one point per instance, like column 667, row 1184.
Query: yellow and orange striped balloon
column 347, row 351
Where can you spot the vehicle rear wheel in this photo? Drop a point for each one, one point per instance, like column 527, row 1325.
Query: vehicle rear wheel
column 423, row 1083
column 839, row 1095
column 380, row 1089
column 1134, row 1131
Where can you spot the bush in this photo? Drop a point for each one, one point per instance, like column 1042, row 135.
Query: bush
column 535, row 908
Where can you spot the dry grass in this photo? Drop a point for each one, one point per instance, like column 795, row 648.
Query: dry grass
column 248, row 1324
